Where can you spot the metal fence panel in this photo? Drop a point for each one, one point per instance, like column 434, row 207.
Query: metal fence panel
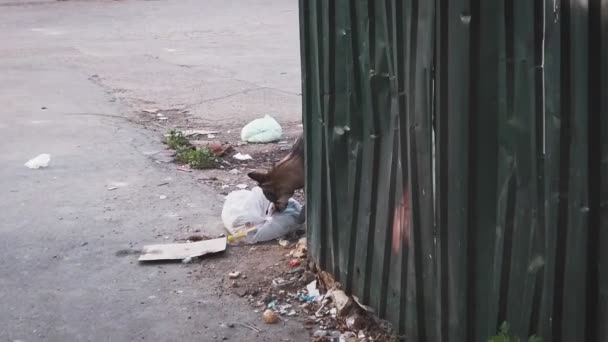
column 509, row 101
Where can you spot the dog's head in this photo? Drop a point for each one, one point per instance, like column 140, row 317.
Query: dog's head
column 276, row 186
column 286, row 176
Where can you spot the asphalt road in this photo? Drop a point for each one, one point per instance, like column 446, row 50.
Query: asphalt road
column 70, row 73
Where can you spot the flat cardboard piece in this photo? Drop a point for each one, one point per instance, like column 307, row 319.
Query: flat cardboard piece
column 179, row 251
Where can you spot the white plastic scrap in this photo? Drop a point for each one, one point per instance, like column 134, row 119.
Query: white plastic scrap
column 38, row 162
column 312, row 290
column 241, row 156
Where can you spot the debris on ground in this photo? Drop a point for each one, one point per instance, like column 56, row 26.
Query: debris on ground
column 270, row 317
column 234, row 275
column 180, row 251
column 218, row 149
column 263, row 130
column 247, row 209
column 150, row 110
column 162, row 197
column 40, row 161
column 313, row 291
column 194, row 133
column 294, row 263
column 240, row 156
column 301, row 250
column 283, row 242
column 241, row 186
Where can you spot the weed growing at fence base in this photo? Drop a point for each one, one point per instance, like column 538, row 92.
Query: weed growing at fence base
column 504, row 336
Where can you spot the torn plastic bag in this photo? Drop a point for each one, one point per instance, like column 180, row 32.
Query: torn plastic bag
column 244, row 209
column 278, row 224
column 248, row 211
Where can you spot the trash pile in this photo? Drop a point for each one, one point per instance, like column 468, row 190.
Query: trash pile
column 326, row 310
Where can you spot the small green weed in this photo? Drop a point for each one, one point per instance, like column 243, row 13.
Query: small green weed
column 197, row 158
column 201, row 158
column 177, row 140
column 504, row 336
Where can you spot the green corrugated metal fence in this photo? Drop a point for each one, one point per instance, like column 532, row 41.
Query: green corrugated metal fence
column 457, row 162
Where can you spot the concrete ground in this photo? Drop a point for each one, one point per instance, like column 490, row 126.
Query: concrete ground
column 73, row 76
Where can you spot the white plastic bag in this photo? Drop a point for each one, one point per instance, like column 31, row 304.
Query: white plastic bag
column 244, row 208
column 262, row 130
column 278, row 224
column 249, row 209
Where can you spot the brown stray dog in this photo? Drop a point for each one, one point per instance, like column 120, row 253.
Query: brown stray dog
column 286, row 176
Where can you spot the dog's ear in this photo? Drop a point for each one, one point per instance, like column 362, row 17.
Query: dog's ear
column 258, row 176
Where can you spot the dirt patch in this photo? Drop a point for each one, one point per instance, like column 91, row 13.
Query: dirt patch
column 268, row 278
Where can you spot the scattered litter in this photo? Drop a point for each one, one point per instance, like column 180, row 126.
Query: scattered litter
column 307, row 298
column 283, row 309
column 241, row 186
column 184, row 169
column 349, row 336
column 301, row 250
column 112, row 188
column 218, row 149
column 161, row 184
column 195, row 132
column 187, row 260
column 234, row 275
column 234, row 171
column 250, row 326
column 340, row 299
column 320, row 333
column 211, row 136
column 313, row 291
column 41, row 161
column 283, row 243
column 241, row 156
column 280, row 282
column 262, row 130
column 294, row 263
column 180, row 251
column 151, row 110
column 270, row 317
